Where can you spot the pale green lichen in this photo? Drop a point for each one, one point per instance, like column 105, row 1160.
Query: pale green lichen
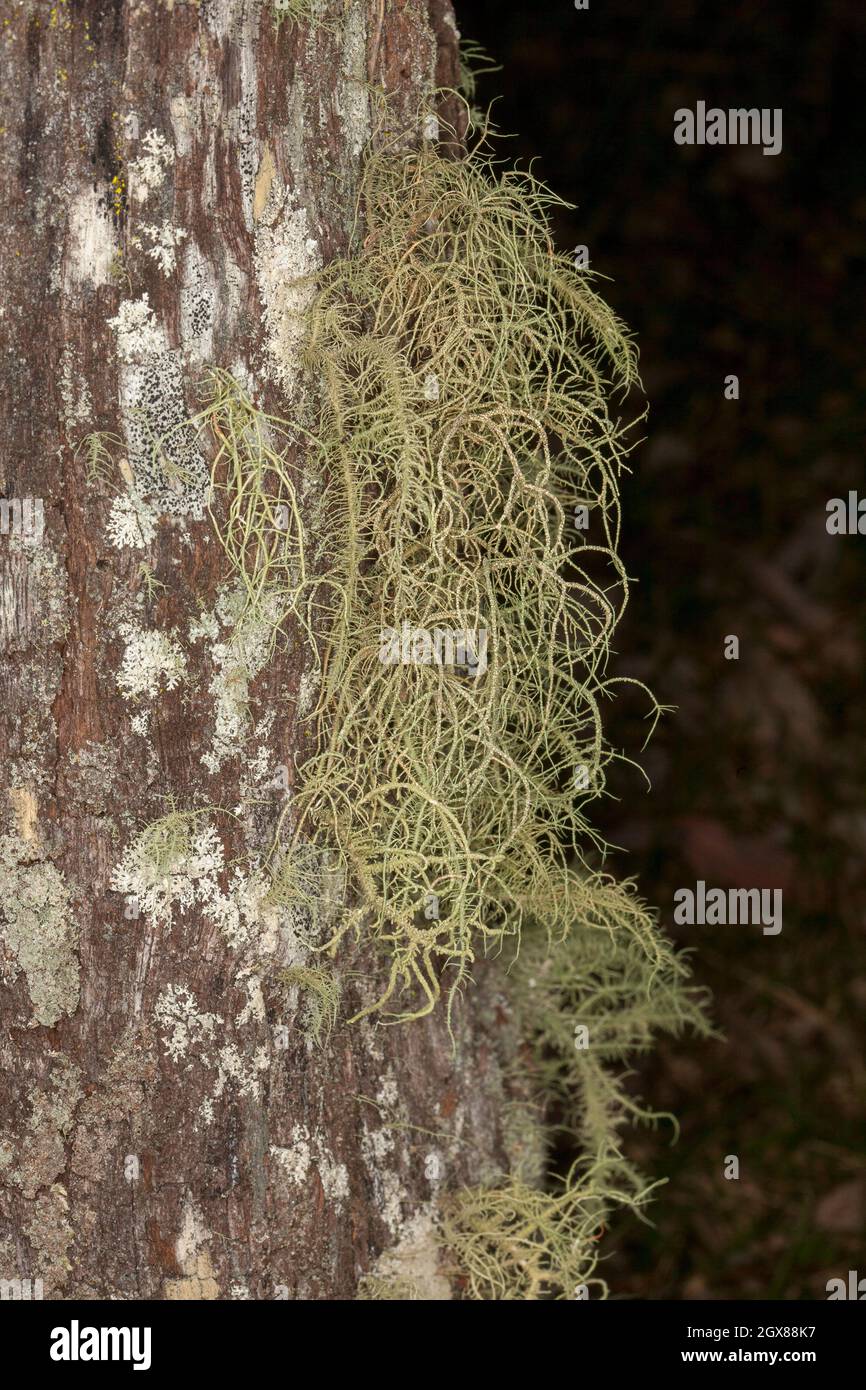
column 527, row 1141
column 138, row 334
column 97, row 450
column 467, row 373
column 286, row 257
column 379, row 1288
column 583, row 1006
column 131, row 522
column 39, row 934
column 472, row 808
column 237, row 660
column 293, row 12
column 184, row 1026
column 176, row 863
column 165, row 241
column 475, row 62
column 513, row 1242
column 586, row 1005
column 162, row 466
column 320, row 989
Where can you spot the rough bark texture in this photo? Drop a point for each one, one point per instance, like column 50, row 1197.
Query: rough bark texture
column 244, row 1161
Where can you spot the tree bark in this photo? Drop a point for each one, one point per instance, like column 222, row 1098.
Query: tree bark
column 167, row 1127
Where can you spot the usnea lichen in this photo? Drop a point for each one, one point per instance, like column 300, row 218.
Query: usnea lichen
column 293, row 12
column 588, row 1004
column 320, row 989
column 450, row 796
column 515, row 1242
column 583, row 1007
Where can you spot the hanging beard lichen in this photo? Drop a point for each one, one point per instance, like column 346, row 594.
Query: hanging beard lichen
column 466, row 370
column 583, row 1006
column 461, row 621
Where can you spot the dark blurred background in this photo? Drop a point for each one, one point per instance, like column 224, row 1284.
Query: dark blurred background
column 723, row 260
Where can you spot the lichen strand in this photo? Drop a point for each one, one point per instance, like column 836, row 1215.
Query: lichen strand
column 293, row 12
column 38, row 933
column 583, row 1006
column 513, row 1242
column 319, row 990
column 449, row 509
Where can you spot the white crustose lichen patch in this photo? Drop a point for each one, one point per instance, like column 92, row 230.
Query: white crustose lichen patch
column 182, row 1023
column 165, row 241
column 237, row 661
column 160, row 886
column 296, row 1160
column 188, row 1035
column 131, row 522
column 287, row 258
column 148, row 172
column 138, row 333
column 152, row 662
column 192, row 879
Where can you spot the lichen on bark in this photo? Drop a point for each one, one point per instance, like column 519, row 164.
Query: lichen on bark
column 38, row 930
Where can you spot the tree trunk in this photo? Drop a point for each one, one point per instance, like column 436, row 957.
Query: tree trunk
column 169, row 1125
